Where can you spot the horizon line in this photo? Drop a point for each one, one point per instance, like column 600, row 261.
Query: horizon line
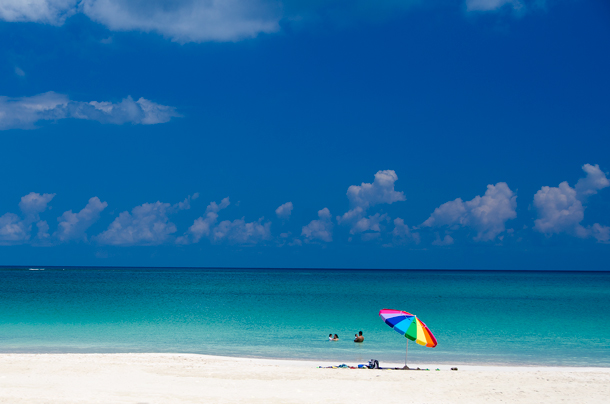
column 293, row 268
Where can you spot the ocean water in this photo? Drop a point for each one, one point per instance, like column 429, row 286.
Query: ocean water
column 492, row 317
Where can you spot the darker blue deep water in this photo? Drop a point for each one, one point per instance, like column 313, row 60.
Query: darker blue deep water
column 494, row 317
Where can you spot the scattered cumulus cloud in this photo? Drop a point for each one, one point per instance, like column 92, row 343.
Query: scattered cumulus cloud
column 241, row 232
column 601, row 233
column 380, row 191
column 186, row 204
column 561, row 209
column 286, row 239
column 19, row 72
column 486, row 214
column 33, row 204
column 402, row 234
column 72, row 226
column 447, row 240
column 362, row 197
column 146, row 224
column 594, row 181
column 202, row 226
column 319, row 229
column 235, row 232
column 42, row 236
column 370, row 223
column 284, row 211
column 15, row 229
column 25, row 112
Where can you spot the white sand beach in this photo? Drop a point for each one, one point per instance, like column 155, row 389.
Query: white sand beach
column 189, row 378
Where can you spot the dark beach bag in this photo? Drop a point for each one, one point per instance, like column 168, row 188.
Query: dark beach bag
column 373, row 364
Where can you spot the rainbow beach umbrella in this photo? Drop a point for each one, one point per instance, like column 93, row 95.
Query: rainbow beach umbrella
column 410, row 326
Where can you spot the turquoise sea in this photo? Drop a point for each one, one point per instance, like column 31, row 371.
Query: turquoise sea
column 493, row 317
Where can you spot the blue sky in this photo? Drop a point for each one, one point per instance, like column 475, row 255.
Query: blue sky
column 396, row 134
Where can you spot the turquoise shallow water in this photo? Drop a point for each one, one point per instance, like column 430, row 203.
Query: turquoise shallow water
column 495, row 317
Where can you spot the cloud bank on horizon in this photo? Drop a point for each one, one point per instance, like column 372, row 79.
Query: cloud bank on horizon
column 559, row 210
column 229, row 20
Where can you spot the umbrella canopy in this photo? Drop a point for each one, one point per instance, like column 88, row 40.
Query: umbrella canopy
column 409, row 325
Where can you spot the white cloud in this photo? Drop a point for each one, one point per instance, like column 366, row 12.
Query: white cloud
column 19, row 72
column 447, row 240
column 601, row 233
column 320, row 229
column 13, row 230
column 185, row 21
column 237, row 231
column 362, row 197
column 180, row 20
column 203, row 225
column 24, row 112
column 43, row 235
column 186, row 204
column 52, row 12
column 33, row 203
column 284, row 211
column 72, row 226
column 241, row 232
column 594, row 181
column 517, row 6
column 17, row 230
column 147, row 224
column 285, row 240
column 487, row 214
column 351, row 216
column 489, row 5
column 402, row 234
column 560, row 209
column 370, row 223
column 380, row 191
column 188, row 20
column 199, row 20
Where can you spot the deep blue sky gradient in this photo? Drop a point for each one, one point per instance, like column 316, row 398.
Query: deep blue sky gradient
column 451, row 101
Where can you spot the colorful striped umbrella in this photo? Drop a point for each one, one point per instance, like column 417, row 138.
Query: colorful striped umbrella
column 410, row 326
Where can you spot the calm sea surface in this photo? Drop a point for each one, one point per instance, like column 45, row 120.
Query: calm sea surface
column 532, row 318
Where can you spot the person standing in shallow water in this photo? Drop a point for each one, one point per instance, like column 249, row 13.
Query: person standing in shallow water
column 330, row 337
column 359, row 337
column 336, row 338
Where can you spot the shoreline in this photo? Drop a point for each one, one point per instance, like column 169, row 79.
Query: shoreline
column 193, row 378
column 472, row 365
column 314, row 363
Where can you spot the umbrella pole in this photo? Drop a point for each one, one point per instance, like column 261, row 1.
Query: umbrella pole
column 406, row 353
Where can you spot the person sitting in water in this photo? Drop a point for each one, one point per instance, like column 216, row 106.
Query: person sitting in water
column 330, row 337
column 359, row 337
column 336, row 338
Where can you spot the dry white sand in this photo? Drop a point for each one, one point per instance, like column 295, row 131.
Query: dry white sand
column 178, row 378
